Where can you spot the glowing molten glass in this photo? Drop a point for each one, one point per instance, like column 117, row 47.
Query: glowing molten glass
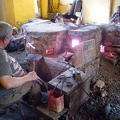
column 110, row 54
column 75, row 42
column 102, row 48
column 49, row 51
column 30, row 44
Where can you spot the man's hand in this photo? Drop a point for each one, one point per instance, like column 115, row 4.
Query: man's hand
column 33, row 76
column 113, row 18
column 117, row 15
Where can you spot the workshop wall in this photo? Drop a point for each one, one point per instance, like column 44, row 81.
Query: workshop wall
column 23, row 10
column 16, row 12
column 94, row 11
column 2, row 12
column 48, row 8
column 9, row 11
column 43, row 8
column 116, row 3
column 63, row 7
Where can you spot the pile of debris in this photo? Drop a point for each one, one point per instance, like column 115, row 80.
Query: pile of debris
column 104, row 102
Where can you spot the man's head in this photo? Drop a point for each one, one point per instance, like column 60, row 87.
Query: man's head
column 5, row 33
column 57, row 15
column 15, row 31
column 118, row 9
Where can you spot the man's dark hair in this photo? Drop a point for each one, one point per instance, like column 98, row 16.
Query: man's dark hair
column 118, row 7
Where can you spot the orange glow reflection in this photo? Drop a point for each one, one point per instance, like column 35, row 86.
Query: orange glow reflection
column 49, row 51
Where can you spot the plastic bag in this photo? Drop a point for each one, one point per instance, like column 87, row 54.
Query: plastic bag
column 55, row 100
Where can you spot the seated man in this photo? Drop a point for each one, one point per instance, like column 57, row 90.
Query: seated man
column 15, row 41
column 64, row 18
column 116, row 16
column 14, row 81
column 69, row 18
column 58, row 18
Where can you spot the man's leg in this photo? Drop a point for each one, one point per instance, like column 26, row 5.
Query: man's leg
column 33, row 88
column 17, row 94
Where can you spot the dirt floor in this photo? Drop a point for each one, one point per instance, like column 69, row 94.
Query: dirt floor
column 103, row 104
column 107, row 107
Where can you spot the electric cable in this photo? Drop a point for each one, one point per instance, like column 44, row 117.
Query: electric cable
column 62, row 69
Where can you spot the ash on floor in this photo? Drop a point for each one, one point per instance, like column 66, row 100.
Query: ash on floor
column 103, row 107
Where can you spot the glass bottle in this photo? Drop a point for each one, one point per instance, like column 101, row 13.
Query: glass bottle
column 78, row 76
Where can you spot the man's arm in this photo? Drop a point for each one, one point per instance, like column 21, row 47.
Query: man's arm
column 115, row 15
column 18, row 38
column 112, row 19
column 13, row 82
column 15, row 39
